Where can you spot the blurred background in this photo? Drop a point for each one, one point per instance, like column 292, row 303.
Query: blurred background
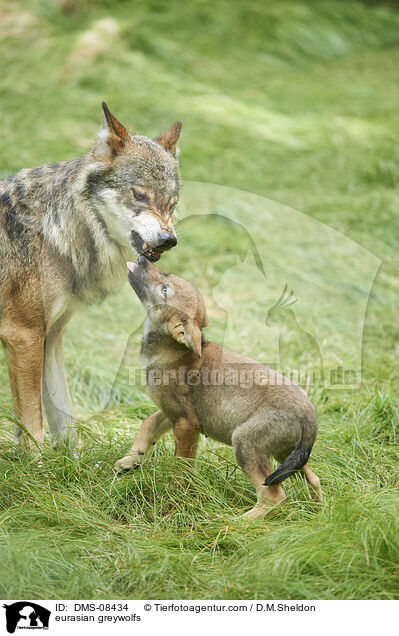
column 290, row 165
column 293, row 101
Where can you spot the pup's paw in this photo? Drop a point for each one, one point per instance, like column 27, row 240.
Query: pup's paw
column 129, row 461
column 257, row 512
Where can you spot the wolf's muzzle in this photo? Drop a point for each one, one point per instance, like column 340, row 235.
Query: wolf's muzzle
column 166, row 241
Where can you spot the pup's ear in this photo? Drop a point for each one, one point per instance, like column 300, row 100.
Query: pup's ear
column 168, row 139
column 112, row 137
column 188, row 334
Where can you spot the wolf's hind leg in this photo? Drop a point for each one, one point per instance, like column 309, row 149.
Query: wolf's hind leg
column 24, row 349
column 268, row 497
column 150, row 431
column 56, row 398
column 254, row 461
column 314, row 483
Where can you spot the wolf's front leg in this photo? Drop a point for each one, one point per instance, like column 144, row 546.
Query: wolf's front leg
column 150, row 431
column 24, row 349
column 56, row 398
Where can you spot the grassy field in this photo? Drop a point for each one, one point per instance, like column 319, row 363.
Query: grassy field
column 288, row 102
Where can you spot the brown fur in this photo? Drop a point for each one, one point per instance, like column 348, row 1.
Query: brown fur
column 269, row 418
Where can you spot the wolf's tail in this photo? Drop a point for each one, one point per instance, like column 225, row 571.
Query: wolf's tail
column 291, row 464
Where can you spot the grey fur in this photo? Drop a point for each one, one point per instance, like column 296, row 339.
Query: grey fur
column 66, row 230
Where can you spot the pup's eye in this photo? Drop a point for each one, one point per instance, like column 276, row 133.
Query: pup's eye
column 139, row 196
column 164, row 291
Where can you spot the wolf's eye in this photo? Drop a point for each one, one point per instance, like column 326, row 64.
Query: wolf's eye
column 164, row 291
column 139, row 196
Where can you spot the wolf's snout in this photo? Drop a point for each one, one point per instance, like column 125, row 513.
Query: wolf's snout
column 166, row 241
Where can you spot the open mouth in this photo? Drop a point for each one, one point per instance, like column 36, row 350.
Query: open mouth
column 141, row 248
column 152, row 255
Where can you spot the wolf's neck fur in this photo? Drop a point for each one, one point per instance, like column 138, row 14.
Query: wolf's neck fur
column 158, row 349
column 57, row 202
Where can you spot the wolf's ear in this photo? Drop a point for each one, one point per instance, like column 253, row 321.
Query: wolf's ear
column 187, row 333
column 112, row 136
column 168, row 139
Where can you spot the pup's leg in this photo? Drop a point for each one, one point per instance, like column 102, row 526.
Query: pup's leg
column 24, row 349
column 186, row 438
column 150, row 431
column 314, row 483
column 56, row 398
column 268, row 497
column 253, row 458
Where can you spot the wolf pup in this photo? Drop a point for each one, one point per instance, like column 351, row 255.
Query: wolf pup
column 66, row 230
column 201, row 387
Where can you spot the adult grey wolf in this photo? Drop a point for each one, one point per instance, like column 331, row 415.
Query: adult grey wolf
column 65, row 232
column 201, row 387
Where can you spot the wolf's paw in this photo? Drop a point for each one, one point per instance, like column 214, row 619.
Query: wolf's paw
column 257, row 512
column 129, row 461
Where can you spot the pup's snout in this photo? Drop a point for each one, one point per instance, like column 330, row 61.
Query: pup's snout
column 166, row 241
column 142, row 260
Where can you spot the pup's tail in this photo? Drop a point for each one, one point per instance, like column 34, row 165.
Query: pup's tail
column 290, row 465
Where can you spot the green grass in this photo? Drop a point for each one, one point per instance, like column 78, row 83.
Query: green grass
column 294, row 102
